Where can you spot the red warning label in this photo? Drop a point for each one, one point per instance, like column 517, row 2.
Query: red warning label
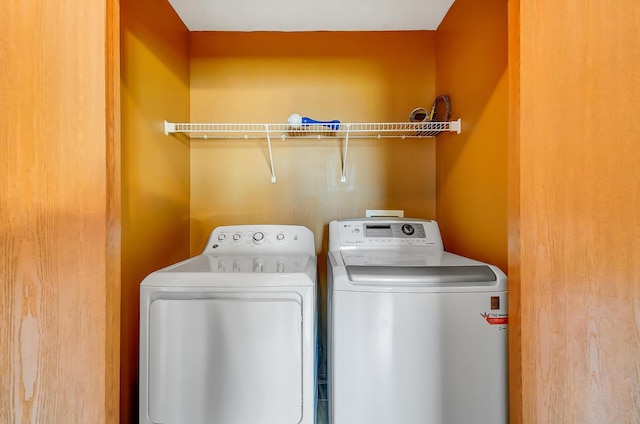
column 496, row 319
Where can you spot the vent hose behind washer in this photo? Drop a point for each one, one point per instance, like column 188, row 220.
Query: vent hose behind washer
column 433, row 116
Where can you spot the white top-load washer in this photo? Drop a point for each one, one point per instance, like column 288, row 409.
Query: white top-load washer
column 417, row 335
column 228, row 336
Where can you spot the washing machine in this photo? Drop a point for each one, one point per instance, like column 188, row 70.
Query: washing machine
column 416, row 335
column 229, row 336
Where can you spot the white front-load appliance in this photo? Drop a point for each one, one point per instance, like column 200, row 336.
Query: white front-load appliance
column 417, row 335
column 228, row 336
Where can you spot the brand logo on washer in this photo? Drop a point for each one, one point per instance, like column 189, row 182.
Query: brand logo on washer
column 494, row 318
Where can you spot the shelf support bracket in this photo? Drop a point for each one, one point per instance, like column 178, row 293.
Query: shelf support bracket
column 169, row 127
column 273, row 173
column 344, row 155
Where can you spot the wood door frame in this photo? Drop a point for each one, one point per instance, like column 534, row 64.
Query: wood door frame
column 114, row 246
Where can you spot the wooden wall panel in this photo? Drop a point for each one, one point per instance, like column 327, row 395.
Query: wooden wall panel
column 114, row 213
column 56, row 224
column 579, row 197
column 513, row 191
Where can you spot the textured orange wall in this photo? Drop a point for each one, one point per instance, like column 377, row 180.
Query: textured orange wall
column 264, row 77
column 577, row 201
column 155, row 168
column 472, row 166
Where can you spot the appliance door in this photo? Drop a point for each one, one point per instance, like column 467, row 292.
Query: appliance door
column 228, row 358
column 418, row 357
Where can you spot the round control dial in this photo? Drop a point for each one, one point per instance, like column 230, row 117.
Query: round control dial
column 258, row 237
column 408, row 229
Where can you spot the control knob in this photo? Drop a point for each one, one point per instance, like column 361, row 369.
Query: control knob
column 258, row 237
column 408, row 229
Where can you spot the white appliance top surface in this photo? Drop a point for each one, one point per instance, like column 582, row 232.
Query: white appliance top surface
column 402, row 254
column 260, row 263
column 246, row 255
column 403, row 257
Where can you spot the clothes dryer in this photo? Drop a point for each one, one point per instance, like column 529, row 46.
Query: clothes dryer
column 228, row 336
column 417, row 335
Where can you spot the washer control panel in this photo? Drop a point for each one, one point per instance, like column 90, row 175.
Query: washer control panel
column 375, row 232
column 247, row 239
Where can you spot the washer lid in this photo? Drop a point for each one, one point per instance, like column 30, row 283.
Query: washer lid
column 472, row 275
column 412, row 270
column 259, row 263
column 209, row 270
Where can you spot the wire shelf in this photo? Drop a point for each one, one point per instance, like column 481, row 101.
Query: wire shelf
column 214, row 131
column 344, row 131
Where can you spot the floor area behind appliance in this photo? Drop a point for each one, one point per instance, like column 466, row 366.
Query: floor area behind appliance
column 323, row 405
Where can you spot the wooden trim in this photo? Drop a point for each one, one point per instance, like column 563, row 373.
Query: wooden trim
column 513, row 216
column 114, row 249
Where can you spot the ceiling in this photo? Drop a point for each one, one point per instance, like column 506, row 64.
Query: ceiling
column 311, row 15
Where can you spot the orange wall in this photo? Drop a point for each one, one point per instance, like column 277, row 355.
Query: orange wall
column 577, row 200
column 471, row 177
column 155, row 168
column 472, row 167
column 59, row 229
column 265, row 77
